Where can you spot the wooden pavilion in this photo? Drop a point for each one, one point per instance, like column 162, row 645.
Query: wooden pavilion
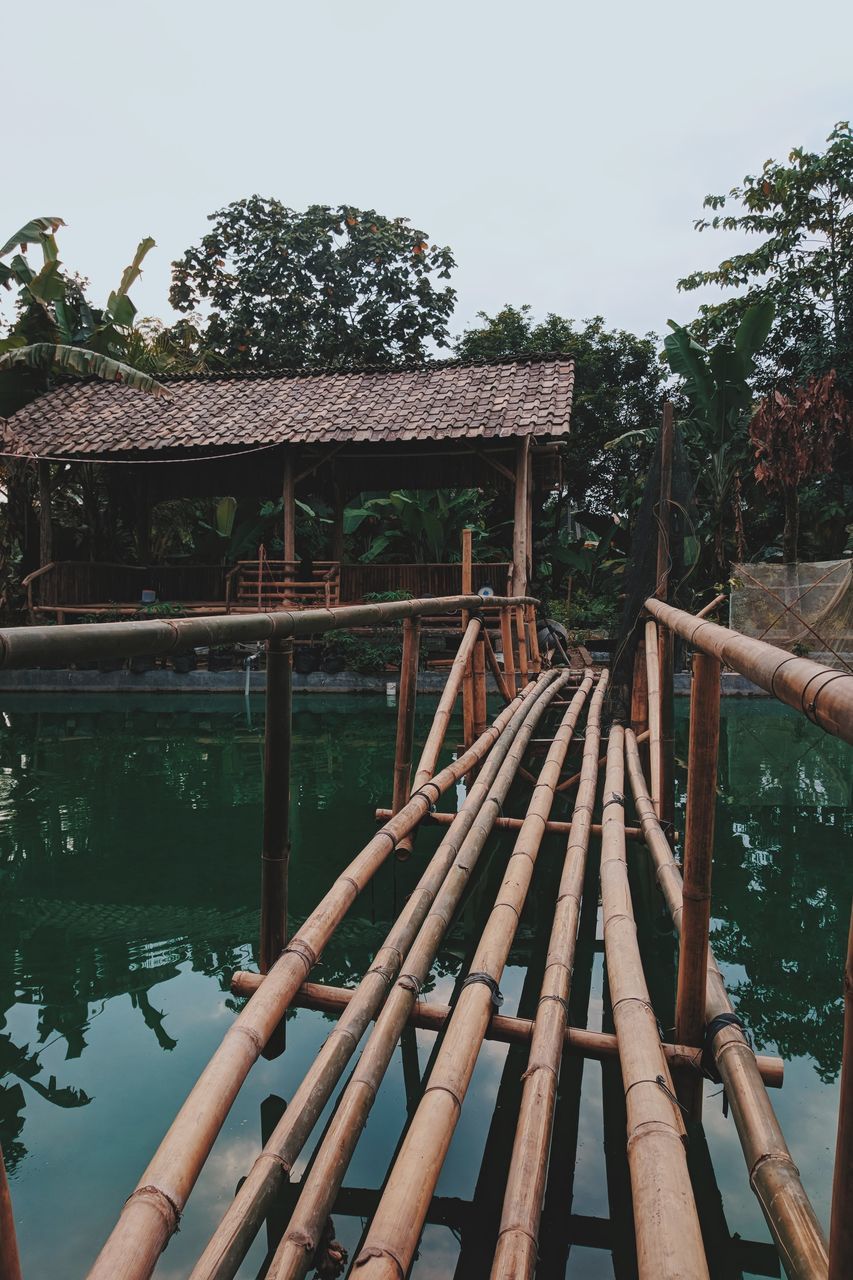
column 258, row 434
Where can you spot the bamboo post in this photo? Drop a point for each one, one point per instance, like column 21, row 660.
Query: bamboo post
column 468, row 733
column 479, row 673
column 417, row 930
column 10, row 1263
column 666, row 793
column 596, row 1045
column 533, row 640
column 669, row 1241
column 576, row 777
column 640, row 690
column 773, row 1175
column 275, row 855
column 698, row 863
column 406, row 713
column 654, row 711
column 152, row 1212
column 288, row 495
column 331, row 1159
column 516, row 1254
column 841, row 1222
column 45, row 518
column 393, row 1236
column 494, row 667
column 523, row 664
column 521, row 522
column 507, row 646
column 338, row 506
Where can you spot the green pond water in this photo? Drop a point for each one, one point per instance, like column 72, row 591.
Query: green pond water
column 129, row 874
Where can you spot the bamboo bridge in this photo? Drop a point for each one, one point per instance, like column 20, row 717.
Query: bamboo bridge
column 547, row 706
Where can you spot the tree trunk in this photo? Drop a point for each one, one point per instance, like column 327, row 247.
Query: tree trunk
column 790, row 535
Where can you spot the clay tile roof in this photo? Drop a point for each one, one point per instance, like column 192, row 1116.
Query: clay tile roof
column 441, row 401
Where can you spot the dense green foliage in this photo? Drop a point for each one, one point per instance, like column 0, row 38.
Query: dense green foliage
column 324, row 287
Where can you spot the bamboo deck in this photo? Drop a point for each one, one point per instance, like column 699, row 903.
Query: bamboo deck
column 622, row 794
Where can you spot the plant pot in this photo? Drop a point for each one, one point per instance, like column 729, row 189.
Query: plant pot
column 333, row 663
column 304, row 662
column 220, row 662
column 184, row 662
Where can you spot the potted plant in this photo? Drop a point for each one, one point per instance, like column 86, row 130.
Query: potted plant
column 221, row 657
column 305, row 659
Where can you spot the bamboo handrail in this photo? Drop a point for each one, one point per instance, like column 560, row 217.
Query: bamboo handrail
column 598, row 1045
column 669, row 1241
column 330, row 1162
column 392, row 1238
column 516, row 1253
column 151, row 1214
column 230, row 1243
column 32, row 646
column 819, row 692
column 773, row 1175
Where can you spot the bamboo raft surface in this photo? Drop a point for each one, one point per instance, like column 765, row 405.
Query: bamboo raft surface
column 546, row 708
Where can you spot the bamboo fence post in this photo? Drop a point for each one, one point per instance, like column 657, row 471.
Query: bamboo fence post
column 666, row 793
column 10, row 1262
column 507, row 645
column 640, row 690
column 523, row 664
column 494, row 667
column 773, row 1175
column 663, row 556
column 698, row 863
column 441, row 721
column 654, row 709
column 393, row 1236
column 669, row 1241
column 517, row 1247
column 230, row 1243
column 275, row 856
column 479, row 672
column 533, row 640
column 841, row 1221
column 331, row 1159
column 823, row 695
column 152, row 1212
column 406, row 713
column 597, row 1045
column 468, row 733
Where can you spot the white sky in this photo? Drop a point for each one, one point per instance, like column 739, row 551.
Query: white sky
column 562, row 150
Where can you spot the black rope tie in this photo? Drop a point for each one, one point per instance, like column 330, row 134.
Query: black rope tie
column 616, row 798
column 560, row 1000
column 487, row 981
column 708, row 1062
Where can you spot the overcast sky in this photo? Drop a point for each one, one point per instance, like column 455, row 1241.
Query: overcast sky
column 561, row 150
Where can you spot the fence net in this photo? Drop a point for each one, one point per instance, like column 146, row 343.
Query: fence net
column 804, row 607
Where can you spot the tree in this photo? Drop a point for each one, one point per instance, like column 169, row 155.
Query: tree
column 802, row 212
column 795, row 437
column 334, row 287
column 618, row 388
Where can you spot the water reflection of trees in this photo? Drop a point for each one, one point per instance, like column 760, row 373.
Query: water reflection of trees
column 129, row 850
column 783, row 879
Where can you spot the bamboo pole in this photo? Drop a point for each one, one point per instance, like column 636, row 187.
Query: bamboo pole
column 533, row 640
column 288, row 494
column 406, row 713
column 698, row 862
column 712, row 605
column 773, row 1175
column 10, row 1263
column 517, row 1246
column 667, row 730
column 640, row 690
column 435, row 897
column 523, row 664
column 152, row 1212
column 820, row 693
column 669, row 1241
column 441, row 721
column 507, row 647
column 33, row 646
column 663, row 556
column 275, row 855
column 841, row 1221
column 442, row 819
column 494, row 667
column 479, row 671
column 393, row 1236
column 654, row 711
column 468, row 713
column 521, row 524
column 427, row 1016
column 602, row 761
column 331, row 1159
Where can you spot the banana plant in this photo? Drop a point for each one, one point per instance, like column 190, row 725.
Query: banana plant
column 73, row 336
column 718, row 388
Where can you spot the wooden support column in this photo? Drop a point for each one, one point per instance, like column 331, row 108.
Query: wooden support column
column 288, row 493
column 10, row 1263
column 665, row 638
column 640, row 691
column 698, row 862
column 521, row 519
column 479, row 664
column 654, row 709
column 841, row 1224
column 45, row 518
column 468, row 734
column 406, row 713
column 338, row 523
column 533, row 640
column 275, row 855
column 523, row 665
column 507, row 647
